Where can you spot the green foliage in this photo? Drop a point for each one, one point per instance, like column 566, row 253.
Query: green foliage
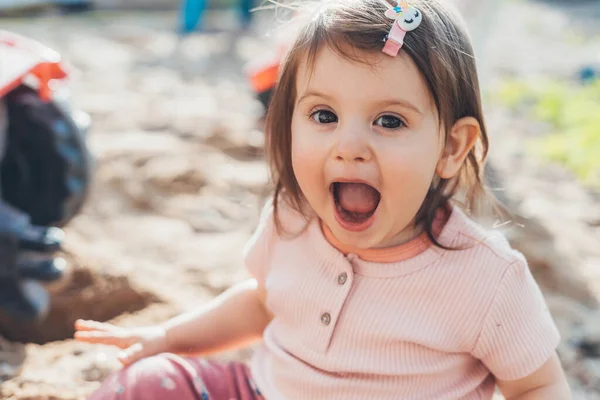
column 573, row 111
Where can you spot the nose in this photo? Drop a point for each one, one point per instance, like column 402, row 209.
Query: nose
column 352, row 145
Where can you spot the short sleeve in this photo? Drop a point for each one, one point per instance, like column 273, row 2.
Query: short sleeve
column 256, row 250
column 518, row 335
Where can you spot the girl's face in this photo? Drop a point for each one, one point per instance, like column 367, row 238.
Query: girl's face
column 365, row 146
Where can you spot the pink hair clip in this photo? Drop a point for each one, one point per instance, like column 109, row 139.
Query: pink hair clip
column 406, row 18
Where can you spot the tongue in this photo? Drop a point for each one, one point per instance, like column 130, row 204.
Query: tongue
column 357, row 197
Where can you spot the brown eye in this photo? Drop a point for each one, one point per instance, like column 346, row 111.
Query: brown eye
column 324, row 117
column 389, row 122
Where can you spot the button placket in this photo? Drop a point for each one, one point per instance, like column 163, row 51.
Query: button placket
column 329, row 316
column 326, row 317
column 342, row 279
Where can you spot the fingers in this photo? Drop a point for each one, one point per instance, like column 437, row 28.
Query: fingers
column 132, row 354
column 86, row 325
column 110, row 338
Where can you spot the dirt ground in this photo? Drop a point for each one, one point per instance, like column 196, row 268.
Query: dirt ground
column 180, row 178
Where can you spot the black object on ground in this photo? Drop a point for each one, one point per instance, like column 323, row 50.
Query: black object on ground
column 40, row 238
column 23, row 300
column 43, row 270
column 46, row 172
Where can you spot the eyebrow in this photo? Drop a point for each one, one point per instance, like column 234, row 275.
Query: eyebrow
column 402, row 103
column 312, row 93
column 384, row 103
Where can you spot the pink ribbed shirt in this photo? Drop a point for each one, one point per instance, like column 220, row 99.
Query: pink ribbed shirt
column 413, row 322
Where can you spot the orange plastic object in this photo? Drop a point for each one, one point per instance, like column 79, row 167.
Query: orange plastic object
column 22, row 58
column 263, row 74
column 265, row 78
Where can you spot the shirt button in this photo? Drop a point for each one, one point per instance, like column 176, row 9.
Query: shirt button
column 342, row 278
column 326, row 318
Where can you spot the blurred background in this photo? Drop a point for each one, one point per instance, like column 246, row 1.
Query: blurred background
column 163, row 173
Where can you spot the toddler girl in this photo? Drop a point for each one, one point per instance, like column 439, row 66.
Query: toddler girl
column 370, row 280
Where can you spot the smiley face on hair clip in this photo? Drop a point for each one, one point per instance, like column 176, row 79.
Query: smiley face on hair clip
column 406, row 18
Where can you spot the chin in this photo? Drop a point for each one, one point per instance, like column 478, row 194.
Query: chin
column 360, row 240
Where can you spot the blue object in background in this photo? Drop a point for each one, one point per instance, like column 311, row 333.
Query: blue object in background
column 74, row 5
column 192, row 13
column 246, row 6
column 23, row 4
column 70, row 2
column 588, row 74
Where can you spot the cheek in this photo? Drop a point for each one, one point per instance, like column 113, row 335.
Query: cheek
column 301, row 145
column 407, row 172
column 410, row 168
column 305, row 159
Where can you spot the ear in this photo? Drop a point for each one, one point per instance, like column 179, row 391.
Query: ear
column 460, row 141
column 391, row 14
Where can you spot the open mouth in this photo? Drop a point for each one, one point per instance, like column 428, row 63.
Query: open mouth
column 355, row 203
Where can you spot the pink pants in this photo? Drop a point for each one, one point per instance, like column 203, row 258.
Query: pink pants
column 167, row 376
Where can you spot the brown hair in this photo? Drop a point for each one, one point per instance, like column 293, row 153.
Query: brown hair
column 442, row 51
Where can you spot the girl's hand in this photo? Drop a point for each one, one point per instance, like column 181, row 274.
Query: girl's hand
column 136, row 342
